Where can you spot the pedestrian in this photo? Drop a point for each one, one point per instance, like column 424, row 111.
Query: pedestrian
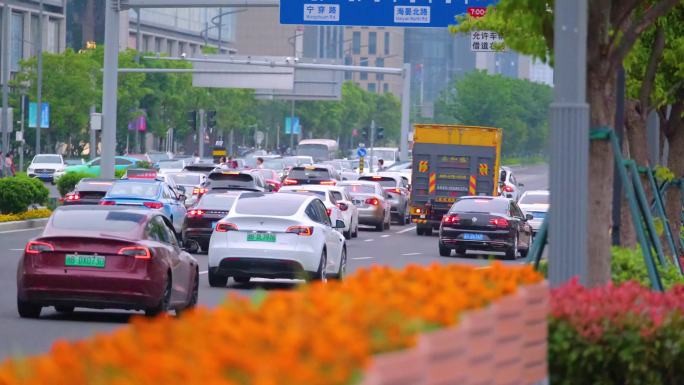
column 222, row 161
column 2, row 164
column 232, row 163
column 9, row 164
column 381, row 165
column 196, row 157
column 260, row 162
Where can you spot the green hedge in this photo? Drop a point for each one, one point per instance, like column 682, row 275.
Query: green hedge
column 17, row 193
column 68, row 181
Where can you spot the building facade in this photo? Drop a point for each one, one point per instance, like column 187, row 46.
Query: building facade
column 258, row 33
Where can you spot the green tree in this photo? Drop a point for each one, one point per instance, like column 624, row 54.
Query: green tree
column 613, row 29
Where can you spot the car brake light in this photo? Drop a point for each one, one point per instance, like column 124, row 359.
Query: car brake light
column 36, row 247
column 343, row 206
column 328, row 182
column 289, row 182
column 199, row 191
column 304, row 231
column 450, row 219
column 508, row 188
column 107, row 203
column 223, row 227
column 328, row 211
column 195, row 213
column 72, row 197
column 372, row 201
column 138, row 252
column 153, row 205
column 499, row 222
column 394, row 190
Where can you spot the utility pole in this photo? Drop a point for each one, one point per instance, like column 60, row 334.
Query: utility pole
column 109, row 87
column 220, row 27
column 138, row 36
column 201, row 133
column 24, row 103
column 39, row 80
column 372, row 144
column 292, row 126
column 5, row 79
column 93, row 137
column 405, row 111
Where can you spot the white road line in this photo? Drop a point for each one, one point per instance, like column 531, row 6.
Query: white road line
column 16, row 231
column 369, row 240
column 16, row 249
column 204, row 272
column 410, row 254
column 360, row 258
column 385, row 236
column 406, row 230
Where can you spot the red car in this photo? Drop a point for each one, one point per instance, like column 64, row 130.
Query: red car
column 106, row 257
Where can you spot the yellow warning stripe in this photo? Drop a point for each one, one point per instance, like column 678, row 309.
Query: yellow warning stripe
column 472, row 185
column 433, row 183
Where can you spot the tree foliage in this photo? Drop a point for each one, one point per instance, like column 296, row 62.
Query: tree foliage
column 518, row 106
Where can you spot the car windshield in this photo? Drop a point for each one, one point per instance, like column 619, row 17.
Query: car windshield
column 134, row 190
column 496, row 206
column 217, row 201
column 186, row 179
column 96, row 220
column 359, row 188
column 278, row 205
column 47, row 159
column 171, row 164
column 534, row 199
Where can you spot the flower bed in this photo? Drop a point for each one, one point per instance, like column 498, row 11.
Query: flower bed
column 30, row 214
column 616, row 335
column 328, row 334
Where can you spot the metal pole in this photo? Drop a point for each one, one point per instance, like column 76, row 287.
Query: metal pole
column 372, row 144
column 619, row 128
column 138, row 36
column 23, row 140
column 93, row 138
column 220, row 27
column 569, row 146
column 111, row 63
column 405, row 112
column 292, row 116
column 39, row 80
column 201, row 134
column 5, row 79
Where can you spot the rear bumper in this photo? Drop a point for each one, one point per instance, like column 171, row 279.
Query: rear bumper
column 304, row 254
column 496, row 240
column 370, row 216
column 260, row 267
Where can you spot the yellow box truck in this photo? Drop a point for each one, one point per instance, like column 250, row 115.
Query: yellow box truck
column 451, row 161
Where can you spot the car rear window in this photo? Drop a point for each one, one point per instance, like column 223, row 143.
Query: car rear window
column 187, row 179
column 278, row 205
column 309, row 173
column 359, row 189
column 231, row 176
column 94, row 186
column 217, row 202
column 497, row 206
column 96, row 220
column 135, row 190
column 385, row 182
column 534, row 199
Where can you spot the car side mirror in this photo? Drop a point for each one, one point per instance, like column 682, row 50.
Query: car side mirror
column 339, row 224
column 521, row 185
column 270, row 187
column 182, row 197
column 529, row 217
column 503, row 177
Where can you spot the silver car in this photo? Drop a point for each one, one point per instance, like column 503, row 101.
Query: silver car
column 372, row 203
column 508, row 185
column 535, row 203
column 396, row 187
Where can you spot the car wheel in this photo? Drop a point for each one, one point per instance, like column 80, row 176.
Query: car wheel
column 193, row 246
column 380, row 226
column 242, row 280
column 523, row 252
column 342, row 271
column 27, row 309
column 348, row 234
column 444, row 251
column 420, row 230
column 355, row 234
column 512, row 251
column 163, row 305
column 320, row 275
column 461, row 252
column 64, row 309
column 216, row 280
column 427, row 231
column 194, row 297
column 388, row 224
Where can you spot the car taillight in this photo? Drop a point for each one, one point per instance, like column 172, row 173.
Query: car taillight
column 499, row 222
column 195, row 213
column 107, row 203
column 394, row 190
column 223, row 227
column 372, row 201
column 328, row 211
column 343, row 206
column 289, row 182
column 304, row 231
column 508, row 188
column 36, row 247
column 328, row 182
column 450, row 219
column 72, row 197
column 138, row 252
column 153, row 205
column 199, row 191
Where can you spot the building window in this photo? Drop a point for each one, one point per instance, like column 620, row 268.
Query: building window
column 34, row 35
column 53, row 36
column 371, row 87
column 364, row 63
column 17, row 40
column 387, row 43
column 380, row 62
column 372, row 43
column 348, row 62
column 157, row 44
column 356, row 42
column 385, row 87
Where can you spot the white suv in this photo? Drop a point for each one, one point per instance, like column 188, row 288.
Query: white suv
column 46, row 167
column 508, row 185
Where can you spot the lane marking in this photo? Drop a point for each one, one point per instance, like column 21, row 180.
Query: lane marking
column 204, row 272
column 360, row 258
column 385, row 236
column 16, row 249
column 16, row 231
column 406, row 230
column 369, row 240
column 409, row 254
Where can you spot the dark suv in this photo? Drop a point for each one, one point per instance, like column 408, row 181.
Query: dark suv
column 316, row 174
column 88, row 191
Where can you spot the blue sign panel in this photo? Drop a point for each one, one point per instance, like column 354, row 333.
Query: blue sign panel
column 297, row 129
column 44, row 115
column 361, row 152
column 379, row 13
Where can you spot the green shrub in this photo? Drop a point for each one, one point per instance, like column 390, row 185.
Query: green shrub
column 118, row 174
column 16, row 195
column 39, row 193
column 68, row 181
column 143, row 164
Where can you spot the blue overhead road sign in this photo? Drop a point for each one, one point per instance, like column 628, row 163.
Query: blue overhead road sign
column 379, row 13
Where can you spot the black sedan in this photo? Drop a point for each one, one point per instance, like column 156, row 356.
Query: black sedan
column 483, row 223
column 88, row 191
column 201, row 219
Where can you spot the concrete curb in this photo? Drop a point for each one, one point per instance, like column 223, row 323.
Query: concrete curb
column 23, row 225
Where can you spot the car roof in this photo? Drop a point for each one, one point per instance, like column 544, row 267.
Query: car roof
column 147, row 214
column 277, row 196
column 538, row 192
column 149, row 181
column 487, row 197
column 357, row 182
column 312, row 187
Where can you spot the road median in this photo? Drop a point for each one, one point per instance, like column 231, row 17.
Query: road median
column 23, row 225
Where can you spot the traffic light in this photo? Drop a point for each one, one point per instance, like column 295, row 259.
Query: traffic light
column 379, row 133
column 364, row 133
column 211, row 119
column 192, row 120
